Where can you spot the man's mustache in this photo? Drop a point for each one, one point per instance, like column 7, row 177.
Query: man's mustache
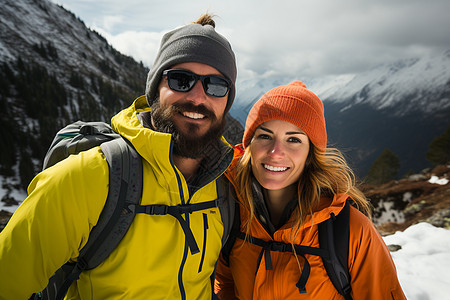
column 188, row 106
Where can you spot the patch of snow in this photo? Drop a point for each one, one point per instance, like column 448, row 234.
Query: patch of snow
column 16, row 194
column 436, row 180
column 423, row 261
column 407, row 197
column 388, row 214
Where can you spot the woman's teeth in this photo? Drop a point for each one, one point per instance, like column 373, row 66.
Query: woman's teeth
column 275, row 169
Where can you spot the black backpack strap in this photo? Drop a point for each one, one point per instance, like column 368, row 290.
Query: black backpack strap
column 177, row 211
column 268, row 246
column 235, row 230
column 227, row 205
column 125, row 188
column 334, row 237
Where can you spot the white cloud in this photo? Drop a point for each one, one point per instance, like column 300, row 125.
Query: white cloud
column 109, row 22
column 142, row 46
column 295, row 38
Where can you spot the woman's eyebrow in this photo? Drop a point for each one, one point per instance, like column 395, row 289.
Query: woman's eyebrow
column 289, row 132
column 295, row 132
column 265, row 129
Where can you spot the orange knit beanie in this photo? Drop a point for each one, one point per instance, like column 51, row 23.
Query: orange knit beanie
column 293, row 103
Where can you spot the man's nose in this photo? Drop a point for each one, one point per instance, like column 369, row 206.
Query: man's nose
column 197, row 94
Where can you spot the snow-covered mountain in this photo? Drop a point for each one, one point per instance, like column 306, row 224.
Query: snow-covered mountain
column 415, row 84
column 423, row 81
column 401, row 106
column 45, row 33
column 53, row 71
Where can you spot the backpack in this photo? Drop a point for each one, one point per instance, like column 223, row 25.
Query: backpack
column 333, row 242
column 125, row 177
column 122, row 203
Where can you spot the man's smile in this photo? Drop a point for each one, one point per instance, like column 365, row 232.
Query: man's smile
column 193, row 115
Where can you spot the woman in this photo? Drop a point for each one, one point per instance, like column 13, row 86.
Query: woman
column 288, row 183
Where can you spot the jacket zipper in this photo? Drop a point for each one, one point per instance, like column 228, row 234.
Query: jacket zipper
column 186, row 247
column 205, row 232
column 205, row 222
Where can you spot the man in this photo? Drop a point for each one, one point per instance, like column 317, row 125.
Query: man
column 190, row 88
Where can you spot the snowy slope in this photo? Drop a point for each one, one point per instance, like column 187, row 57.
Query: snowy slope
column 408, row 82
column 27, row 23
column 423, row 261
column 421, row 83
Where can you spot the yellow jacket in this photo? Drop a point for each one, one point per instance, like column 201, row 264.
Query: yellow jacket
column 151, row 262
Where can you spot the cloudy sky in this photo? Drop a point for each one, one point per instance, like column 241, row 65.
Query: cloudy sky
column 294, row 38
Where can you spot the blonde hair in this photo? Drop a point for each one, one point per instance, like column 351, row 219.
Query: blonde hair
column 325, row 174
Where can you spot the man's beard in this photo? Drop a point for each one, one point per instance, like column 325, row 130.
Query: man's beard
column 188, row 145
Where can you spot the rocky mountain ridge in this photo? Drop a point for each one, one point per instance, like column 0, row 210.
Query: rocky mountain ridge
column 40, row 31
column 422, row 197
column 53, row 71
column 406, row 86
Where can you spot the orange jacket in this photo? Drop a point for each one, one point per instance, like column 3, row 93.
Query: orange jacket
column 372, row 270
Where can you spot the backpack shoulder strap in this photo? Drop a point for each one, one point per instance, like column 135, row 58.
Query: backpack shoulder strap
column 334, row 237
column 234, row 233
column 227, row 205
column 125, row 188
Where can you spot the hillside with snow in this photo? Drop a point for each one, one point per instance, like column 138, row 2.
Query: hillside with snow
column 33, row 29
column 416, row 84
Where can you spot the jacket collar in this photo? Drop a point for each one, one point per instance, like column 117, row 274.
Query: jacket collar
column 262, row 212
column 156, row 147
column 321, row 213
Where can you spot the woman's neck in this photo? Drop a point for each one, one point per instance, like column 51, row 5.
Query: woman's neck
column 277, row 200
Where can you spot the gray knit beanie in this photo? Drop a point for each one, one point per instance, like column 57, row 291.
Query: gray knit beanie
column 193, row 43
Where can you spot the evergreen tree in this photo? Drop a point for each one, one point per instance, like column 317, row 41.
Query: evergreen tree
column 26, row 169
column 384, row 168
column 439, row 149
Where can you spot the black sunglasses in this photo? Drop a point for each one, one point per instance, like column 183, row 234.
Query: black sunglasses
column 184, row 81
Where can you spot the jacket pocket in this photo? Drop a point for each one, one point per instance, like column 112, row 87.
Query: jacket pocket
column 205, row 234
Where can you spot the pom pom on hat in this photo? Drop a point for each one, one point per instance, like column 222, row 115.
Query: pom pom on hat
column 293, row 103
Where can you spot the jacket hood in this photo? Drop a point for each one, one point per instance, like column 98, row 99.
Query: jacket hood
column 127, row 124
column 325, row 208
column 152, row 145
